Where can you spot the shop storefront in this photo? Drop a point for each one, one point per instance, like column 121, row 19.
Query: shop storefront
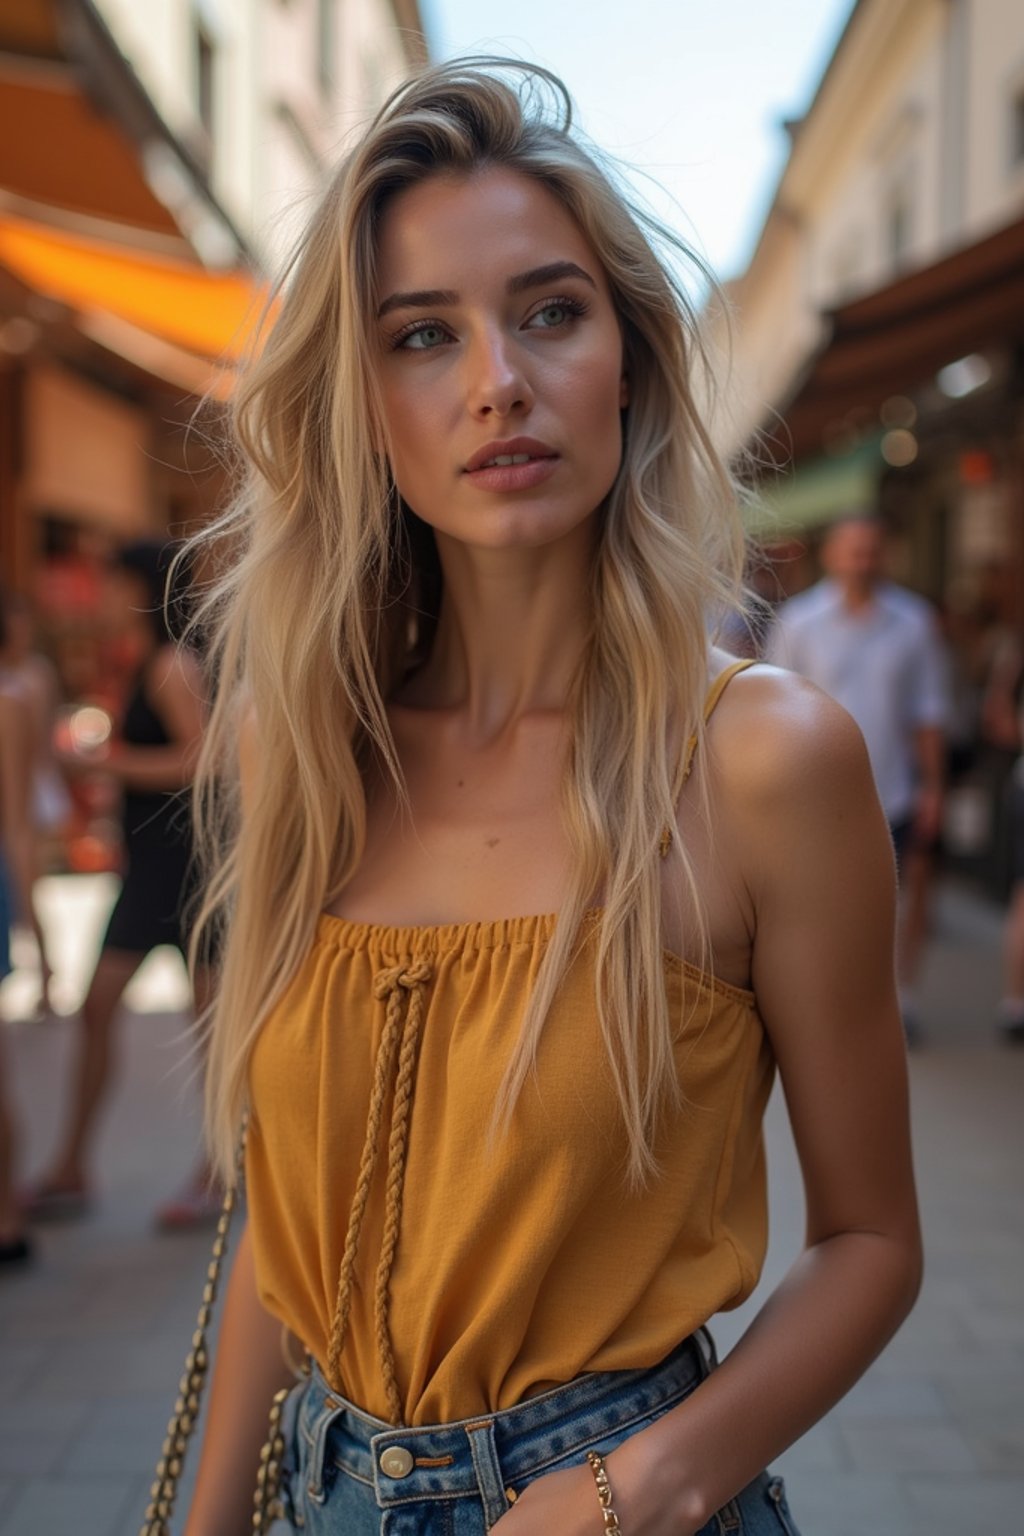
column 914, row 409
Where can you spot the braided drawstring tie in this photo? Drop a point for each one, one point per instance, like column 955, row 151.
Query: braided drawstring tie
column 397, row 985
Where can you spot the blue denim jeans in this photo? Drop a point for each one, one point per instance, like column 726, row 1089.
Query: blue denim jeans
column 347, row 1474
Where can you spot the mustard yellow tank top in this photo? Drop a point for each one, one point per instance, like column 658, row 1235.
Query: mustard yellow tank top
column 435, row 1275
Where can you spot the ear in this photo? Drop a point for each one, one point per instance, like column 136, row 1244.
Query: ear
column 623, row 391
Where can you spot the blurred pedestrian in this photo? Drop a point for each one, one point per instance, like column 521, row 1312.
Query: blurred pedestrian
column 876, row 649
column 528, row 886
column 31, row 680
column 1010, row 1015
column 16, row 874
column 153, row 760
column 28, row 672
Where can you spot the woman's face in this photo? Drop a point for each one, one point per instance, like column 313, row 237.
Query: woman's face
column 498, row 340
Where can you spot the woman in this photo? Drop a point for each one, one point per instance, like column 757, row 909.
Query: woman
column 152, row 761
column 31, row 680
column 502, row 1169
column 33, row 676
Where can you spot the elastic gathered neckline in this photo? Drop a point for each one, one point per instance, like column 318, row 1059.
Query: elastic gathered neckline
column 407, row 939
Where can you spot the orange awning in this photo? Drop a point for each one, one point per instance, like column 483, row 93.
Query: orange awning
column 79, row 133
column 57, row 149
column 209, row 314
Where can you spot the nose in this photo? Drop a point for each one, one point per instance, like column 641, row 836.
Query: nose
column 497, row 383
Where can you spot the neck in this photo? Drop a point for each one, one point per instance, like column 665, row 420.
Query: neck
column 512, row 629
column 857, row 595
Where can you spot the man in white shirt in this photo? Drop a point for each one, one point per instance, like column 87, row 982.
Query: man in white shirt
column 875, row 648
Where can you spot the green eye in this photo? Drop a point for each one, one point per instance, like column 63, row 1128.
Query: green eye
column 556, row 314
column 425, row 339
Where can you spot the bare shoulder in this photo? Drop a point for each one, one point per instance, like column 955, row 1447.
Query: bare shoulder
column 776, row 738
column 790, row 778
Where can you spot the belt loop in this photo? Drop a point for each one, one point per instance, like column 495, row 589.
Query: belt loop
column 707, row 1355
column 729, row 1519
column 318, row 1448
column 488, row 1470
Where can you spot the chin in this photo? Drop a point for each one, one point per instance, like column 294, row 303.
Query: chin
column 509, row 523
column 512, row 527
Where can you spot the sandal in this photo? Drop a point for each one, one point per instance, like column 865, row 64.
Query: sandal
column 56, row 1202
column 14, row 1251
column 193, row 1207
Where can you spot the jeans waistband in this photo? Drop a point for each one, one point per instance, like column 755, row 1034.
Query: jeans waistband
column 483, row 1456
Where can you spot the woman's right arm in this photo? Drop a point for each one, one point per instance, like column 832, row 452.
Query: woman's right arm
column 249, row 1367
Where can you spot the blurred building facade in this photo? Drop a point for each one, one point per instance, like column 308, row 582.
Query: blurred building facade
column 153, row 161
column 877, row 336
column 878, row 344
column 263, row 93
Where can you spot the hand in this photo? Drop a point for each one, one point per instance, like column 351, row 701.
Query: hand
column 75, row 764
column 565, row 1502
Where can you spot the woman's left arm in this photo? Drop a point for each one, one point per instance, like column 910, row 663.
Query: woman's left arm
column 794, row 782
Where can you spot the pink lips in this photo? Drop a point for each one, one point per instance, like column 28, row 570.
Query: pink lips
column 512, row 477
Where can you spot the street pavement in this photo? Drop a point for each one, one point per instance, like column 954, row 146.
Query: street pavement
column 930, row 1442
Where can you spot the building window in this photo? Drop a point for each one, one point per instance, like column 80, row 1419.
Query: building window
column 205, row 66
column 325, row 41
column 847, row 266
column 1017, row 129
column 898, row 225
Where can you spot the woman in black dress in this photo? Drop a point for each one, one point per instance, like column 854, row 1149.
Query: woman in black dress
column 152, row 760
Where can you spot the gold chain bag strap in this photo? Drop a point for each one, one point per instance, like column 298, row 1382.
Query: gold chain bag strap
column 267, row 1506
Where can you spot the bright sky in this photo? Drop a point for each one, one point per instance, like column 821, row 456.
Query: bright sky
column 692, row 92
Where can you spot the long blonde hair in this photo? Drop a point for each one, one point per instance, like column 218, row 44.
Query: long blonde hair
column 327, row 593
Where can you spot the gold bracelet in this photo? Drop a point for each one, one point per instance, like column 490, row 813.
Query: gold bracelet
column 604, row 1494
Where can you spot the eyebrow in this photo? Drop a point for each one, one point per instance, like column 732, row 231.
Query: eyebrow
column 431, row 298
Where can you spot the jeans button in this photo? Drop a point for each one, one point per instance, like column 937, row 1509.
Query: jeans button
column 396, row 1461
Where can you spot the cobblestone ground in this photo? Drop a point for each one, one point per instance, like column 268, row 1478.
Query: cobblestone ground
column 931, row 1442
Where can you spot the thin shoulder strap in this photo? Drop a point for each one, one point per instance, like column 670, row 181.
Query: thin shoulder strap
column 721, row 683
column 714, row 693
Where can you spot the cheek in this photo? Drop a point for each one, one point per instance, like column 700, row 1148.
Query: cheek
column 597, row 414
column 590, row 385
column 414, row 434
